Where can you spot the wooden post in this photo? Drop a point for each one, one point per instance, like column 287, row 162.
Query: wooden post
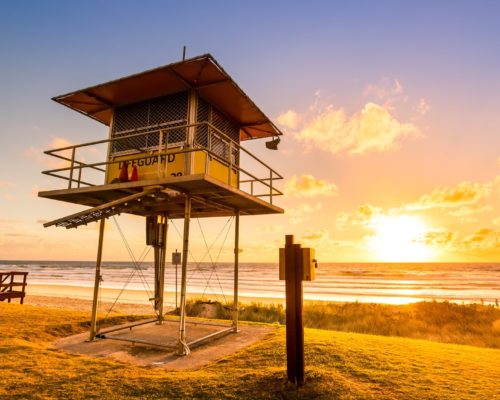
column 11, row 286
column 236, row 269
column 160, row 253
column 294, row 323
column 97, row 281
column 156, row 258
column 183, row 349
column 23, row 288
column 176, row 260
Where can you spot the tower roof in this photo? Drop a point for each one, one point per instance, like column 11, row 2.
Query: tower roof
column 201, row 73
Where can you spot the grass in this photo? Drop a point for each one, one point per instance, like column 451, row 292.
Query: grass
column 339, row 365
column 446, row 322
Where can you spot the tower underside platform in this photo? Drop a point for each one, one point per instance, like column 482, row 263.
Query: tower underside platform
column 210, row 197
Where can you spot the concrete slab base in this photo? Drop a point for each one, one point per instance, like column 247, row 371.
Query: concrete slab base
column 165, row 334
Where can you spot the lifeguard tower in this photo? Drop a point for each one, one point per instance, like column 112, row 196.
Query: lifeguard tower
column 173, row 152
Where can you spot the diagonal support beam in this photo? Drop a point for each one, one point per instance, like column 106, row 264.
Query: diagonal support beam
column 103, row 211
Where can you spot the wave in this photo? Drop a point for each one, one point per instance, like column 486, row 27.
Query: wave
column 364, row 282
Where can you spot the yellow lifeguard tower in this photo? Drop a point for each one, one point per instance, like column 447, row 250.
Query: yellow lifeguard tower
column 173, row 151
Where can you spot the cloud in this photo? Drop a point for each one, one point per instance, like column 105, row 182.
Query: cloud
column 386, row 90
column 484, row 238
column 298, row 214
column 439, row 236
column 37, row 154
column 374, row 128
column 366, row 212
column 34, row 190
column 289, row 119
column 13, row 243
column 422, row 107
column 59, row 142
column 319, row 234
column 320, row 240
column 496, row 221
column 255, row 248
column 21, row 235
column 6, row 184
column 7, row 195
column 465, row 211
column 484, row 242
column 464, row 194
column 342, row 220
column 309, row 186
column 273, row 228
column 362, row 216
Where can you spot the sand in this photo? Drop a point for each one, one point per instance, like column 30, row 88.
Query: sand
column 128, row 296
column 74, row 304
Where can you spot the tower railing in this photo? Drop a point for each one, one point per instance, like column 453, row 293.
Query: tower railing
column 254, row 176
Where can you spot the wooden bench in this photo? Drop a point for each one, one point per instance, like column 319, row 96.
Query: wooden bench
column 12, row 288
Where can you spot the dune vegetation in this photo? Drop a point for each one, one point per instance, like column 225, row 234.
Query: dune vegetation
column 339, row 365
column 471, row 324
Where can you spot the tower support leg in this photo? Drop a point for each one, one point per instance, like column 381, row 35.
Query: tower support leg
column 236, row 269
column 97, row 281
column 160, row 247
column 163, row 251
column 183, row 348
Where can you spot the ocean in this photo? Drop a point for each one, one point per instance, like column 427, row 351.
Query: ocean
column 392, row 283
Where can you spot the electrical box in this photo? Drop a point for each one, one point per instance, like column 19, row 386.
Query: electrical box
column 150, row 231
column 156, row 230
column 308, row 261
column 176, row 258
column 308, row 264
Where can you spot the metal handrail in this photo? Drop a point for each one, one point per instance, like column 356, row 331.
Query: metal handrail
column 78, row 165
column 263, row 181
column 177, row 127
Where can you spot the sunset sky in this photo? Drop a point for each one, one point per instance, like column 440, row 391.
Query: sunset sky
column 390, row 110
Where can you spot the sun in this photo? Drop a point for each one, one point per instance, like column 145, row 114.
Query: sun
column 398, row 239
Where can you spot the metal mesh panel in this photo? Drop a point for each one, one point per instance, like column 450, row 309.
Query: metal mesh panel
column 202, row 115
column 223, row 124
column 145, row 117
column 220, row 146
column 132, row 116
column 129, row 118
column 172, row 109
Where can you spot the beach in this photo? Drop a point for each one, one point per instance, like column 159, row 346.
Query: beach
column 387, row 283
column 85, row 305
column 132, row 302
